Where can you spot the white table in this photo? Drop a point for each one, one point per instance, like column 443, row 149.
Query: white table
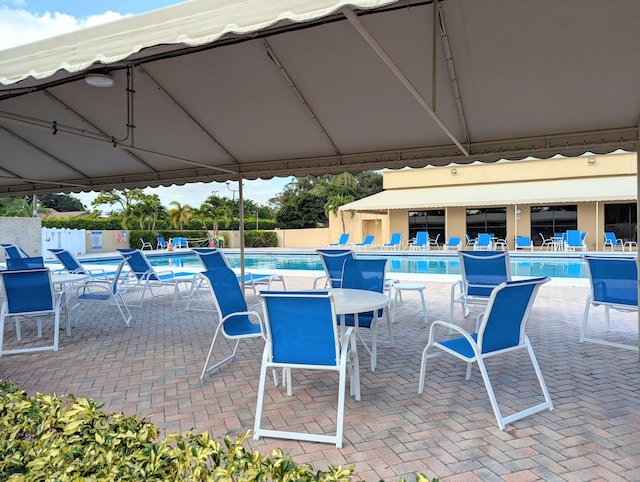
column 351, row 302
column 399, row 287
column 63, row 282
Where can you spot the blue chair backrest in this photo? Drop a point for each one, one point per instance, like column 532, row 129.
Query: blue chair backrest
column 613, row 280
column 484, row 270
column 12, row 251
column 68, row 260
column 484, row 239
column 344, row 238
column 396, row 238
column 27, row 291
column 574, row 238
column 138, row 263
column 524, row 241
column 333, row 263
column 454, row 241
column 422, row 238
column 211, row 258
column 610, row 237
column 25, row 263
column 301, row 327
column 229, row 299
column 504, row 321
column 368, row 240
column 364, row 274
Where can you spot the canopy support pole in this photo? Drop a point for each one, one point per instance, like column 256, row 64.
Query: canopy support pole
column 241, row 228
column 637, row 149
column 373, row 43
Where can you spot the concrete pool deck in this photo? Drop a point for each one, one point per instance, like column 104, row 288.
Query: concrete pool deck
column 152, row 368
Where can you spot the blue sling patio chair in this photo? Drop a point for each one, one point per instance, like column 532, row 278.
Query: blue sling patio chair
column 302, row 334
column 34, row 262
column 212, row 258
column 29, row 294
column 395, row 242
column 103, row 290
column 13, row 251
column 366, row 243
column 484, row 242
column 333, row 263
column 481, row 271
column 612, row 242
column 161, row 243
column 574, row 241
column 421, row 242
column 614, row 285
column 501, row 330
column 342, row 241
column 72, row 265
column 454, row 243
column 367, row 274
column 146, row 277
column 524, row 242
column 237, row 321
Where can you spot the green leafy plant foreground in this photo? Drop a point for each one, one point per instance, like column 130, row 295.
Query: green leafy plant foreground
column 49, row 437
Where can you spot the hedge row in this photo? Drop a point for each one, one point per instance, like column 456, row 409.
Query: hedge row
column 48, row 437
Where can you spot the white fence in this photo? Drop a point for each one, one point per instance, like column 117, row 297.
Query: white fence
column 73, row 240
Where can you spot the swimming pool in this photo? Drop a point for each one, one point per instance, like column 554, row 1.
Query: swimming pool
column 553, row 266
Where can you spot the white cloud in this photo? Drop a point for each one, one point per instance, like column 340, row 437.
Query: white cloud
column 18, row 27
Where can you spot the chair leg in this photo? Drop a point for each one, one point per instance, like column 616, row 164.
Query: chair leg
column 583, row 329
column 207, row 368
column 260, row 402
column 492, row 397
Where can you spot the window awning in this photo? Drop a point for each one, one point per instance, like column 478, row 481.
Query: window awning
column 615, row 188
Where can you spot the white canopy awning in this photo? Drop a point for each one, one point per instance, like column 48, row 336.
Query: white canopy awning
column 216, row 90
column 618, row 188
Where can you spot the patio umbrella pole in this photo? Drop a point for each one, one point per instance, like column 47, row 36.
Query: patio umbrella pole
column 241, row 229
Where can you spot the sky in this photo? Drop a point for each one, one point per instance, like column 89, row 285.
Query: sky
column 24, row 21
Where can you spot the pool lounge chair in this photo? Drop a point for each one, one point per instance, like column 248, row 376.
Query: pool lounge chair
column 72, row 265
column 343, row 241
column 395, row 242
column 161, row 243
column 421, row 241
column 13, row 251
column 366, row 243
column 213, row 258
column 524, row 242
column 454, row 243
column 155, row 282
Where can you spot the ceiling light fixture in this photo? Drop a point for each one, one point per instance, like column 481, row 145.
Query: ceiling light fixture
column 99, row 80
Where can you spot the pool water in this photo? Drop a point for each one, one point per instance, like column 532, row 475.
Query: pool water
column 554, row 267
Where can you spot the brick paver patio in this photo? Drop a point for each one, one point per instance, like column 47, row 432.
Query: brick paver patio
column 152, row 368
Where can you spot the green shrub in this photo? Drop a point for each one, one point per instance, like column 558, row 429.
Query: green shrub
column 260, row 239
column 48, row 437
column 90, row 224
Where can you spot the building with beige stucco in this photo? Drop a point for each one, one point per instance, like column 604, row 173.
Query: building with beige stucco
column 532, row 198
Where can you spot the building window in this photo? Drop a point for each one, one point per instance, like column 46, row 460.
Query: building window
column 548, row 220
column 621, row 219
column 487, row 220
column 431, row 221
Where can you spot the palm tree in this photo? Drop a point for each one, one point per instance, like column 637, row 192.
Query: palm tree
column 179, row 215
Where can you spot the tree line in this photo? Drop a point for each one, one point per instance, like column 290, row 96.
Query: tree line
column 305, row 202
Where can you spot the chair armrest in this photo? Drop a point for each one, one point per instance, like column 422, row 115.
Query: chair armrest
column 315, row 281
